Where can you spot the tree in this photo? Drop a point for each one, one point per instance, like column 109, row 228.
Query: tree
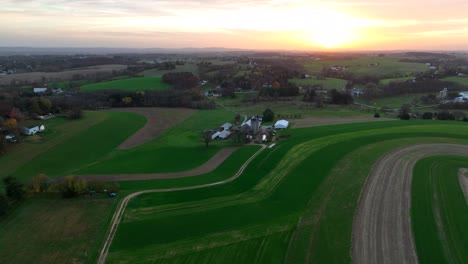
column 3, row 204
column 404, row 112
column 72, row 186
column 14, row 189
column 45, row 105
column 427, row 115
column 206, row 134
column 75, row 113
column 40, row 183
column 268, row 115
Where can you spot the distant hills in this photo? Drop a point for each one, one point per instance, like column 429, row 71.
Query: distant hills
column 6, row 51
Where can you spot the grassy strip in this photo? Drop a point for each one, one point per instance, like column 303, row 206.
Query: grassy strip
column 131, row 84
column 439, row 212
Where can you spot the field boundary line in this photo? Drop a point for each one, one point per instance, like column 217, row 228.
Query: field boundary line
column 117, row 217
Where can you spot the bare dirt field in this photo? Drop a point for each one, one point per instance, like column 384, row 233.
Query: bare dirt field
column 208, row 166
column 463, row 179
column 323, row 121
column 382, row 228
column 158, row 121
column 39, row 77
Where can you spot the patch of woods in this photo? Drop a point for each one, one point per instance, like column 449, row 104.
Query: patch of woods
column 16, row 192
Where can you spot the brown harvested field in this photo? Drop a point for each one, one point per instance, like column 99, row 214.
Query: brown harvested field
column 324, row 121
column 55, row 230
column 208, row 166
column 31, row 77
column 382, row 228
column 463, row 179
column 158, row 121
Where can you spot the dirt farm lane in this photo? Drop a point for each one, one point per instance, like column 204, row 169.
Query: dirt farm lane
column 382, row 229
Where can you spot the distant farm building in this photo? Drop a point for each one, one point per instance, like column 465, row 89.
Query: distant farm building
column 40, row 90
column 463, row 97
column 33, row 130
column 281, row 124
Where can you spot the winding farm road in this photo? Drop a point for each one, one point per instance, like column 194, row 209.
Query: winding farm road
column 382, row 228
column 119, row 212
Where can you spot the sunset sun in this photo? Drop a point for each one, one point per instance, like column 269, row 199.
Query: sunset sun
column 333, row 29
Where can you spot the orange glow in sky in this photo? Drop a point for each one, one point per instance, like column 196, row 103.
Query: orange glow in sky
column 261, row 24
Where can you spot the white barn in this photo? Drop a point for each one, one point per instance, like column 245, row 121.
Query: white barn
column 281, row 124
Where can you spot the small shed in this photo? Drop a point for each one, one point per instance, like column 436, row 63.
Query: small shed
column 281, row 124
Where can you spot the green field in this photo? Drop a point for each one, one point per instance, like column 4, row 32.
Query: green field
column 187, row 67
column 132, row 84
column 328, row 83
column 401, row 79
column 53, row 230
column 439, row 211
column 309, row 195
column 389, row 67
column 463, row 81
column 293, row 204
column 392, row 102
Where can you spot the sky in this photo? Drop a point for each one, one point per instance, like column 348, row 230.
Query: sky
column 244, row 24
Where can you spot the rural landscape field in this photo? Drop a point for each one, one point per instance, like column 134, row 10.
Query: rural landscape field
column 187, row 132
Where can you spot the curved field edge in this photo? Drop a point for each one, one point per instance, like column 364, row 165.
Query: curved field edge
column 289, row 206
column 439, row 212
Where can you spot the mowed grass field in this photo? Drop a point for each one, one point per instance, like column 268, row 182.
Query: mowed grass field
column 439, row 212
column 463, row 81
column 389, row 66
column 131, row 84
column 328, row 83
column 54, row 230
column 294, row 204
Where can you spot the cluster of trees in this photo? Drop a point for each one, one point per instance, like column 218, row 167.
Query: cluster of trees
column 181, row 80
column 280, row 89
column 340, row 98
column 423, row 86
column 70, row 187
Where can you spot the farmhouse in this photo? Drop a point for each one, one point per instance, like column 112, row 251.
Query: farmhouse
column 39, row 90
column 33, row 130
column 281, row 124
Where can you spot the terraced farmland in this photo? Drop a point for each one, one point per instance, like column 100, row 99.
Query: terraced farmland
column 295, row 203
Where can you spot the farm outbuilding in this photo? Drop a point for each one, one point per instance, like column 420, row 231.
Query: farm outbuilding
column 40, row 90
column 226, row 127
column 33, row 130
column 281, row 124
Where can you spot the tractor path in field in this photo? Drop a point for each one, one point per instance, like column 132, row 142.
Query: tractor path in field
column 382, row 228
column 325, row 121
column 208, row 166
column 119, row 212
column 158, row 121
column 463, row 179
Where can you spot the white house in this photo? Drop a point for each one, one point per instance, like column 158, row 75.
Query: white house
column 30, row 130
column 281, row 124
